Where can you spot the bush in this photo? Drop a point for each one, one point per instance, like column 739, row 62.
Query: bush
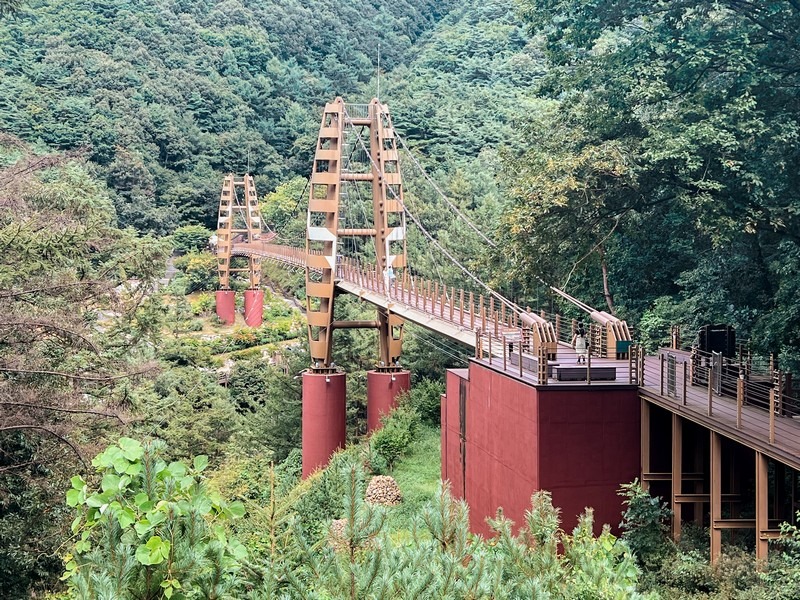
column 204, row 304
column 146, row 531
column 190, row 238
column 425, row 397
column 397, row 433
column 645, row 525
column 689, row 572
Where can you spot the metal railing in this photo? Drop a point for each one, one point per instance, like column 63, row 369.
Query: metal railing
column 706, row 380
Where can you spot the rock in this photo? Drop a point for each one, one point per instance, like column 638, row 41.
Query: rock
column 383, row 490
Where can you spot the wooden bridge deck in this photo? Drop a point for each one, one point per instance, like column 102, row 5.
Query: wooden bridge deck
column 751, row 425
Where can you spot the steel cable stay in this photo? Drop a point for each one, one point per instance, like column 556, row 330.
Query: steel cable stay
column 433, row 240
column 438, row 190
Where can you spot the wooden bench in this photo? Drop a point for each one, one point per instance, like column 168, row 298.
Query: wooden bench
column 579, row 373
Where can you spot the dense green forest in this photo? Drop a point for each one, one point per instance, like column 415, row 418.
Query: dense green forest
column 642, row 156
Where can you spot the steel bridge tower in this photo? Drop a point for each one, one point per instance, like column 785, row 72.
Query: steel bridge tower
column 324, row 390
column 239, row 221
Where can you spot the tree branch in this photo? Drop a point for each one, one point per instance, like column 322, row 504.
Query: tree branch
column 102, row 379
column 51, row 432
column 65, row 410
column 49, row 288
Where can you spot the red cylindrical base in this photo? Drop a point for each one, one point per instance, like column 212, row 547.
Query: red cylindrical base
column 253, row 307
column 226, row 306
column 324, row 418
column 382, row 391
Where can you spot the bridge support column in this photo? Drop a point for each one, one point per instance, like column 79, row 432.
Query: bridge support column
column 324, row 418
column 253, row 307
column 383, row 388
column 226, row 306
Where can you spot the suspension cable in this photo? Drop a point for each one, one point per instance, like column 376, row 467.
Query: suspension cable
column 452, row 205
column 433, row 241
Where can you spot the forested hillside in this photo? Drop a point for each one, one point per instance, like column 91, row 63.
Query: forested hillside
column 168, row 95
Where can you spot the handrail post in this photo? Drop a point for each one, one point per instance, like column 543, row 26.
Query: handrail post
column 519, row 349
column 739, row 399
column 588, row 363
column 661, row 374
column 772, row 415
column 505, row 354
column 710, row 387
column 684, row 382
column 477, row 344
column 490, row 347
column 471, row 310
column 452, row 301
column 461, row 306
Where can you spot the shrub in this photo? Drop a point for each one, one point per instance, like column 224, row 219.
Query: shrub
column 426, row 398
column 150, row 529
column 397, row 433
column 190, row 238
column 645, row 525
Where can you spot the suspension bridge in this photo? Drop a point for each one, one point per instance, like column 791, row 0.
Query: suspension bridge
column 525, row 415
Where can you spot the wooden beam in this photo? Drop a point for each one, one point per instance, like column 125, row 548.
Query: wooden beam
column 677, row 473
column 715, row 467
column 762, row 502
column 645, row 443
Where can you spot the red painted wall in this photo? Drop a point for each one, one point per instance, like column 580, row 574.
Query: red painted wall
column 590, row 444
column 578, row 442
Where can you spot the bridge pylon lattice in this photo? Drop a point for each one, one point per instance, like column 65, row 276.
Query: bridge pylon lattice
column 338, row 140
column 239, row 221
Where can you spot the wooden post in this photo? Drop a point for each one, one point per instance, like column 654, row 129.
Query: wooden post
column 519, row 349
column 461, row 307
column 505, row 354
column 490, row 347
column 452, row 302
column 482, row 313
column 739, row 399
column 762, row 502
column 588, row 361
column 661, row 374
column 772, row 415
column 715, row 494
column 471, row 310
column 677, row 474
column 710, row 388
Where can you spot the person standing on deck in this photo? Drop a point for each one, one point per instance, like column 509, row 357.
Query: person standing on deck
column 580, row 343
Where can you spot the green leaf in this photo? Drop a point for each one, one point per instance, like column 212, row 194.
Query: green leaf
column 73, row 497
column 236, row 509
column 76, row 524
column 143, row 526
column 238, row 550
column 126, row 517
column 200, row 463
column 140, row 499
column 110, row 482
column 177, row 469
column 77, row 482
column 154, row 552
column 121, row 464
column 134, row 469
column 131, row 449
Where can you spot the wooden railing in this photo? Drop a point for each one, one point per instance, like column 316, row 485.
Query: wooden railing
column 752, row 401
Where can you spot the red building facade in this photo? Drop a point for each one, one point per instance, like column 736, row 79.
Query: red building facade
column 503, row 438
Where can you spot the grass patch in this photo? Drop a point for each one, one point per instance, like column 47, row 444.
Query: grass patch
column 417, row 473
